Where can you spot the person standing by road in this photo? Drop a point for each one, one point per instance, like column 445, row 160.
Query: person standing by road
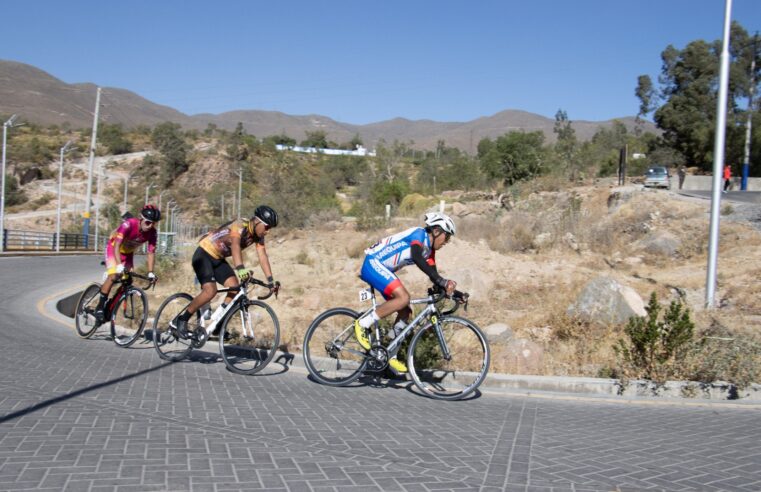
column 682, row 173
column 727, row 177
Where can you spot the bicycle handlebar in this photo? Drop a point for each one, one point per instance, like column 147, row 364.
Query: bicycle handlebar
column 437, row 294
column 252, row 280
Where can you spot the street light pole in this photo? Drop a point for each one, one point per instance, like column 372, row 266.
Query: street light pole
column 97, row 208
column 240, row 187
column 6, row 125
column 86, row 226
column 146, row 192
column 126, row 182
column 64, row 149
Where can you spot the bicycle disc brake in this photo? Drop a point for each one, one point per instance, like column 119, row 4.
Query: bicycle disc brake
column 377, row 359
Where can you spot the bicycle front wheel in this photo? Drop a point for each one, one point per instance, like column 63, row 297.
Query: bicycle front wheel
column 129, row 316
column 84, row 316
column 450, row 367
column 249, row 337
column 167, row 341
column 331, row 351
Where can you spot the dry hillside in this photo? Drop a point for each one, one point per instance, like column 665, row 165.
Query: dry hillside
column 525, row 266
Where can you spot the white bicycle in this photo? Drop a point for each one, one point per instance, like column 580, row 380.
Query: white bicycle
column 248, row 329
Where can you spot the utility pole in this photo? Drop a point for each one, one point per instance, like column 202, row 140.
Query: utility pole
column 746, row 159
column 97, row 209
column 240, row 187
column 6, row 125
column 126, row 182
column 86, row 226
column 64, row 149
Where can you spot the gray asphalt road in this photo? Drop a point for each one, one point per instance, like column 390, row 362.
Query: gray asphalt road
column 86, row 415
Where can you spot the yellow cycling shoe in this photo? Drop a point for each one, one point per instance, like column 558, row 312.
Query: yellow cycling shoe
column 361, row 335
column 397, row 365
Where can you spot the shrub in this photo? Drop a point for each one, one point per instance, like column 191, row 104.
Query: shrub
column 654, row 348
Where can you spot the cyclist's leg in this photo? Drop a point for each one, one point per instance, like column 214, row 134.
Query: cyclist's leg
column 225, row 276
column 384, row 281
column 108, row 283
column 204, row 270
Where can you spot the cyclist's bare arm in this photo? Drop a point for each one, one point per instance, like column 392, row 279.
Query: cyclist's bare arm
column 264, row 260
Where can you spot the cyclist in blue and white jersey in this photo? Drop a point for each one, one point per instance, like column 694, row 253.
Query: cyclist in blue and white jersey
column 416, row 245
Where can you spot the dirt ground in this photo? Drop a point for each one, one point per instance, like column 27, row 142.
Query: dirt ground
column 530, row 289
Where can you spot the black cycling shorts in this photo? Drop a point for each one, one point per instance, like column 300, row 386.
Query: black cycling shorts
column 209, row 269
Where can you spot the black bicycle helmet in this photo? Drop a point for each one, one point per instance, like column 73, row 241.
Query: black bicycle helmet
column 267, row 215
column 151, row 212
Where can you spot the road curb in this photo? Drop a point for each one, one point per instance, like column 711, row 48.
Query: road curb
column 559, row 387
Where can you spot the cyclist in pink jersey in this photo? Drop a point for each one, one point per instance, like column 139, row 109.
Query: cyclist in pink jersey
column 121, row 247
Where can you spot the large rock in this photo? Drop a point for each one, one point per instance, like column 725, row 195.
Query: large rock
column 498, row 333
column 605, row 301
column 524, row 356
column 661, row 243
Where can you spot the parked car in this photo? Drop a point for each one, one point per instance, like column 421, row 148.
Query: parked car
column 657, row 177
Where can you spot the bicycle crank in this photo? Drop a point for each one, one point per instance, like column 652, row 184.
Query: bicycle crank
column 377, row 359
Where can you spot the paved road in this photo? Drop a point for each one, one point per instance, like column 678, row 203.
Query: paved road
column 85, row 415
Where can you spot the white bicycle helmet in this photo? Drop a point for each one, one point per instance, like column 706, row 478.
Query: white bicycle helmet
column 436, row 219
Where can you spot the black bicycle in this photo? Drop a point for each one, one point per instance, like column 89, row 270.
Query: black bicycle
column 248, row 329
column 447, row 359
column 126, row 310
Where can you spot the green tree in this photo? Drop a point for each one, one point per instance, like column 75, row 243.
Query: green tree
column 168, row 140
column 114, row 138
column 13, row 194
column 685, row 102
column 566, row 145
column 317, row 139
column 513, row 157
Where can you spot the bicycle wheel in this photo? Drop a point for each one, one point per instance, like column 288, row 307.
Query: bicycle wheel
column 129, row 316
column 165, row 338
column 84, row 316
column 331, row 351
column 249, row 337
column 456, row 376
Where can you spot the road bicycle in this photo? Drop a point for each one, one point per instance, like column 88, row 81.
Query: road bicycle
column 248, row 329
column 126, row 310
column 447, row 359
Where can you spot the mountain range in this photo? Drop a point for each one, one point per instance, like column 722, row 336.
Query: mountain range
column 40, row 98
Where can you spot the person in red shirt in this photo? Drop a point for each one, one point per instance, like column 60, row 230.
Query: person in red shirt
column 727, row 177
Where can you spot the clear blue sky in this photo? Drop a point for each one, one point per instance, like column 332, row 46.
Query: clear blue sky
column 362, row 61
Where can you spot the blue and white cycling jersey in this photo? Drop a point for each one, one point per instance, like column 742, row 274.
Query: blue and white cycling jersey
column 394, row 252
column 391, row 254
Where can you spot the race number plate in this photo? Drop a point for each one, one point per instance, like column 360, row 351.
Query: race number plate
column 364, row 295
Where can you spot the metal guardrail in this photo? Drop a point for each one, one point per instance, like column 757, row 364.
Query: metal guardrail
column 15, row 240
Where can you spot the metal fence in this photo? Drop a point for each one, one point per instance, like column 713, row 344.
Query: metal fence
column 14, row 240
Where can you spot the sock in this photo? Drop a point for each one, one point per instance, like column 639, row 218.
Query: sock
column 399, row 327
column 185, row 316
column 369, row 319
column 102, row 301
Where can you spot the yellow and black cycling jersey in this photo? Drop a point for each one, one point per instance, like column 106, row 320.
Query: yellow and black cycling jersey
column 218, row 243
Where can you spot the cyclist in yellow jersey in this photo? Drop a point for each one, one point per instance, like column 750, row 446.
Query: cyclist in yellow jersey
column 229, row 240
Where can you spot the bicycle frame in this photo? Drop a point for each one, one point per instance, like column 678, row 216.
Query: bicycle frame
column 242, row 293
column 431, row 311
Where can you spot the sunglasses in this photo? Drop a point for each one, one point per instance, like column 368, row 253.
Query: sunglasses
column 148, row 222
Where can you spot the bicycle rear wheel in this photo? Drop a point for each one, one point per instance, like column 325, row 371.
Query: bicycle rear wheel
column 84, row 316
column 167, row 341
column 129, row 316
column 455, row 376
column 249, row 337
column 331, row 351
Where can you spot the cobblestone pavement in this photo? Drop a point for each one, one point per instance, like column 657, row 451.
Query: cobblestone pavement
column 85, row 415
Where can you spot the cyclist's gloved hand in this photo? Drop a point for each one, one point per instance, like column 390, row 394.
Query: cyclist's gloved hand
column 274, row 287
column 120, row 268
column 152, row 277
column 242, row 273
column 451, row 284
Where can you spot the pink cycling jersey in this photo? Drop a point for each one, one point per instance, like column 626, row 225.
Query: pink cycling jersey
column 131, row 237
